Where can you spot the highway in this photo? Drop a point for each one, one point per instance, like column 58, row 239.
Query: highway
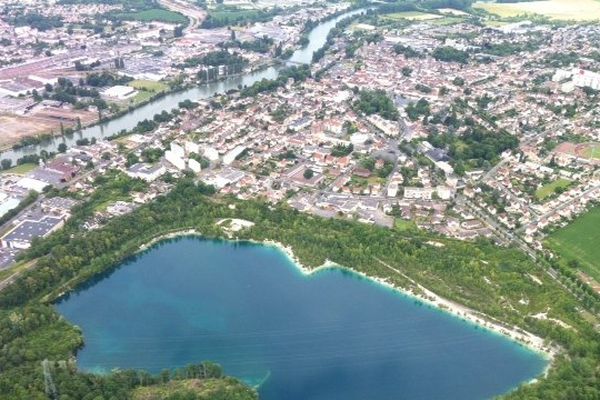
column 195, row 14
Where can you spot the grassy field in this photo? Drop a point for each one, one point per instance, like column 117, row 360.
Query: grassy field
column 156, row 14
column 576, row 10
column 150, row 86
column 231, row 14
column 412, row 15
column 20, row 169
column 580, row 241
column 548, row 190
column 592, row 151
column 404, row 225
column 146, row 90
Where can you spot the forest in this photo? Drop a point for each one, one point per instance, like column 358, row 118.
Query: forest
column 377, row 102
column 485, row 277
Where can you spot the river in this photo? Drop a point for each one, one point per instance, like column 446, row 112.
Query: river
column 330, row 335
column 317, row 38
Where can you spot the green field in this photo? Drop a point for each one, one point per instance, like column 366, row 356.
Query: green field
column 156, row 14
column 149, row 86
column 580, row 241
column 575, row 10
column 146, row 90
column 412, row 15
column 549, row 189
column 404, row 225
column 231, row 14
column 20, row 169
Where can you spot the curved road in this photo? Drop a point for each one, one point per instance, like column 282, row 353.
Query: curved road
column 195, row 14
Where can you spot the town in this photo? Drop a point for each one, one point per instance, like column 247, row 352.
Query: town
column 399, row 124
column 444, row 150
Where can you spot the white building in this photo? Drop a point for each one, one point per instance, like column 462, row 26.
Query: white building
column 177, row 161
column 32, row 184
column 120, row 92
column 392, row 190
column 211, row 153
column 444, row 192
column 418, row 193
column 192, row 147
column 580, row 78
column 194, row 165
column 583, row 78
column 177, row 149
column 390, row 128
column 233, row 154
column 146, row 172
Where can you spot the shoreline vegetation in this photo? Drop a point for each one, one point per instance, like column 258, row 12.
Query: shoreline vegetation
column 417, row 292
column 500, row 283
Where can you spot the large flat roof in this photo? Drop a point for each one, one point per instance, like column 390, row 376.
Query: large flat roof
column 28, row 230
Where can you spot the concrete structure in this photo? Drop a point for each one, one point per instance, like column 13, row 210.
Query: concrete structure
column 147, row 172
column 32, row 184
column 233, row 154
column 120, row 92
column 418, row 193
column 192, row 147
column 211, row 153
column 175, row 159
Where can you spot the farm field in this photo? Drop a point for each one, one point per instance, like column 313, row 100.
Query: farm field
column 580, row 241
column 549, row 189
column 577, row 10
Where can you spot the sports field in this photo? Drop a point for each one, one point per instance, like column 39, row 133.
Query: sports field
column 156, row 14
column 576, row 10
column 580, row 241
column 149, row 86
column 231, row 14
column 592, row 151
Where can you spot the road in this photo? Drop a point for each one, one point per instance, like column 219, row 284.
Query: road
column 195, row 14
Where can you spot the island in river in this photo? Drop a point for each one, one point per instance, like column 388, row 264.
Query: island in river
column 248, row 307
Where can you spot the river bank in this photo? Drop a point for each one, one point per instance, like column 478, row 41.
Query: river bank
column 127, row 119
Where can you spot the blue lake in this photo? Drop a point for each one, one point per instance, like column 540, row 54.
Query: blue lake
column 331, row 335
